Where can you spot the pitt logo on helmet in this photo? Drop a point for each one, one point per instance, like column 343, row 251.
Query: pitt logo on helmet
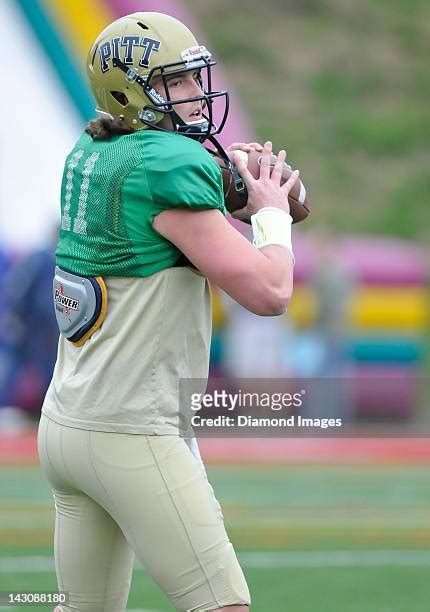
column 111, row 49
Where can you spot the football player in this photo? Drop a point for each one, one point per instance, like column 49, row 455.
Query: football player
column 143, row 228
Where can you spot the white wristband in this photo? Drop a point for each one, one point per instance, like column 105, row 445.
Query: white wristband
column 272, row 226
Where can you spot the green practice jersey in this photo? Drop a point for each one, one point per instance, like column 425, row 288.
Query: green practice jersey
column 112, row 190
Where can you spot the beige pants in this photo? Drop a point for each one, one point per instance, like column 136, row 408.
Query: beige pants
column 120, row 494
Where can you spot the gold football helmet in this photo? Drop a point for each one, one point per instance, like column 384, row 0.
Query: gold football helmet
column 138, row 48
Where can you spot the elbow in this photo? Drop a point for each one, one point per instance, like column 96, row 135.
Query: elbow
column 279, row 304
column 274, row 302
column 260, row 295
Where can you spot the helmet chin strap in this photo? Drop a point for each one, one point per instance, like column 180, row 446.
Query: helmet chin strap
column 196, row 129
column 239, row 185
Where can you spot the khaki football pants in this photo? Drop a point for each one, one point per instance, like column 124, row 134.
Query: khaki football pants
column 117, row 495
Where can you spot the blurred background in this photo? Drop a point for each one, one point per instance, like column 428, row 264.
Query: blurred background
column 334, row 525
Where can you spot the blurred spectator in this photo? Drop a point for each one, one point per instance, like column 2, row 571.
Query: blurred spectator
column 319, row 352
column 5, row 262
column 28, row 331
column 254, row 346
column 334, row 286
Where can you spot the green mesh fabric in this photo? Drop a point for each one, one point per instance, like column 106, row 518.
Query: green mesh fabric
column 105, row 245
column 111, row 191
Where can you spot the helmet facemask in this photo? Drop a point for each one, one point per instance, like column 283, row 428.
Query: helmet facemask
column 149, row 114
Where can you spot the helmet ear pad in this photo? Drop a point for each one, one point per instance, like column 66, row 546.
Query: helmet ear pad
column 120, row 97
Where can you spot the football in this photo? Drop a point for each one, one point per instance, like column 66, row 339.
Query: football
column 235, row 200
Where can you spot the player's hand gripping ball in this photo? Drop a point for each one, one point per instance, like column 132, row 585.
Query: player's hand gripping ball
column 235, row 200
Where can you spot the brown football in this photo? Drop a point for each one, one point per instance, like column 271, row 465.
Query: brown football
column 234, row 200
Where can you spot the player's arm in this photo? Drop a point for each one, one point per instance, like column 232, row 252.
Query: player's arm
column 261, row 280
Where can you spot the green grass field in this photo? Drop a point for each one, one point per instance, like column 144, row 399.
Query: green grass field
column 326, row 538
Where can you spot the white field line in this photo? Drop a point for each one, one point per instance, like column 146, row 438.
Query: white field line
column 332, row 558
column 335, row 558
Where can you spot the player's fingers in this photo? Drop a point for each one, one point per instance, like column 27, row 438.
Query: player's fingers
column 244, row 146
column 278, row 167
column 256, row 146
column 235, row 146
column 240, row 160
column 289, row 184
column 265, row 160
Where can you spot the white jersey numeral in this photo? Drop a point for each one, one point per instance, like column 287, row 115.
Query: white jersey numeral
column 79, row 225
column 65, row 221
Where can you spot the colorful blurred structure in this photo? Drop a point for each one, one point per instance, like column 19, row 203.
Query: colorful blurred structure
column 368, row 296
column 388, row 319
column 359, row 311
